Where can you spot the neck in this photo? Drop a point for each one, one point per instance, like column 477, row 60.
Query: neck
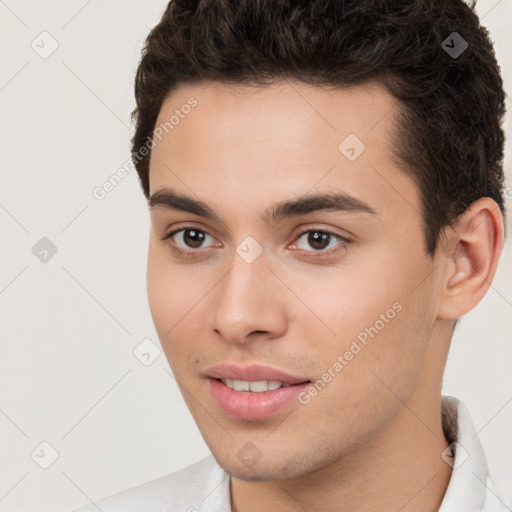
column 399, row 469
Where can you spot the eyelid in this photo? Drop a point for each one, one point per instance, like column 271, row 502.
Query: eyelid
column 315, row 227
column 187, row 225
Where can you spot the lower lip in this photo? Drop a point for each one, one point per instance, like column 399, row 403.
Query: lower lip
column 246, row 405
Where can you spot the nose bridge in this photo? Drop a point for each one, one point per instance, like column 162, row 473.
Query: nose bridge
column 247, row 299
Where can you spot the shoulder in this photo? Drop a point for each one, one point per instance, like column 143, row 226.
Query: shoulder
column 200, row 486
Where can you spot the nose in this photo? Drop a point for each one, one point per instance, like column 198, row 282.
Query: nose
column 249, row 303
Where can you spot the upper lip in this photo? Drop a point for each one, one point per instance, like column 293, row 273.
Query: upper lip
column 252, row 373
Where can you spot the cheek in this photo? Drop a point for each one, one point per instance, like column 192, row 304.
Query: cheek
column 376, row 313
column 174, row 295
column 160, row 290
column 378, row 351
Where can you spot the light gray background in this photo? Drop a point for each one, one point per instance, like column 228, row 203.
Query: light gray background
column 68, row 375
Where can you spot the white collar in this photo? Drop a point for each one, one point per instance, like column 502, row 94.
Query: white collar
column 469, row 488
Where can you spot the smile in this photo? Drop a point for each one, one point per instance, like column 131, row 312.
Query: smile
column 256, row 386
column 254, row 400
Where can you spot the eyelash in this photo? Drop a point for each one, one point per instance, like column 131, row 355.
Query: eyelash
column 313, row 254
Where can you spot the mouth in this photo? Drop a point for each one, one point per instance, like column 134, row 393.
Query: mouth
column 234, row 375
column 254, row 392
column 256, row 386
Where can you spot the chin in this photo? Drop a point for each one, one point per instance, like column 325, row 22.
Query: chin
column 267, row 470
column 250, row 475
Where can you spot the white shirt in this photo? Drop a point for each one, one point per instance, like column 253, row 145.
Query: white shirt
column 204, row 486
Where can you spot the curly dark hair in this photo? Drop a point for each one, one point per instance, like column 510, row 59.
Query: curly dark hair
column 448, row 135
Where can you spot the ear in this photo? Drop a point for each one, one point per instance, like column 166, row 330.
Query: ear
column 469, row 258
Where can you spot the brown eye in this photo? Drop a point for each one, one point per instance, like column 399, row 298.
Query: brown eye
column 193, row 238
column 318, row 240
column 189, row 238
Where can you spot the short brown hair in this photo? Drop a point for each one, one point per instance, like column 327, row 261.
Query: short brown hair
column 448, row 136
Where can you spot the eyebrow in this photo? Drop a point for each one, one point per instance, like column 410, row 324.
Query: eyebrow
column 304, row 205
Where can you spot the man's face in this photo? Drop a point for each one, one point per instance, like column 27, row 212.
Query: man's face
column 343, row 298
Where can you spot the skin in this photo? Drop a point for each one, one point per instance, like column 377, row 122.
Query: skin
column 372, row 439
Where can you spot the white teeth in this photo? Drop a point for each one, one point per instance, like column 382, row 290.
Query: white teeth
column 241, row 385
column 256, row 386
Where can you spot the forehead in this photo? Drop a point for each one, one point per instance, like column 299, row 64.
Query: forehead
column 255, row 143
